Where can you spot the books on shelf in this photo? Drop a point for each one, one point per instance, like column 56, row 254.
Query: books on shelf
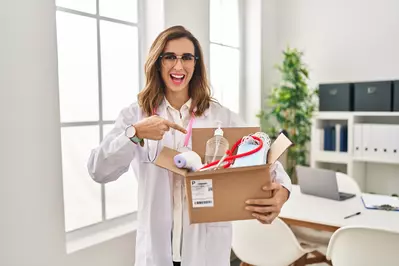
column 335, row 138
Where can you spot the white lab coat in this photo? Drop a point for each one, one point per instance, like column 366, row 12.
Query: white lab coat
column 203, row 244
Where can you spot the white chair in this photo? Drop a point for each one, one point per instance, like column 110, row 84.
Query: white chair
column 362, row 246
column 260, row 244
column 345, row 184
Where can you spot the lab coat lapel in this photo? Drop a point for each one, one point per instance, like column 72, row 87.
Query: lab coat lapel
column 167, row 140
column 203, row 121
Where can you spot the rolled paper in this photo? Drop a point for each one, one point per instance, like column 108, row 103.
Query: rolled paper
column 189, row 160
column 180, row 161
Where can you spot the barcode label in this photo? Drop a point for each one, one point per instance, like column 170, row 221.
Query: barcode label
column 203, row 202
column 202, row 193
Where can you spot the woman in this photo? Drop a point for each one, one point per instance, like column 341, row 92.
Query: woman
column 176, row 91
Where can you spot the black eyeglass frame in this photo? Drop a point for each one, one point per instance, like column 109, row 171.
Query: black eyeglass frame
column 196, row 58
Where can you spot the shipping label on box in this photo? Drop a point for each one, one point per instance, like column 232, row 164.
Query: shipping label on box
column 202, row 193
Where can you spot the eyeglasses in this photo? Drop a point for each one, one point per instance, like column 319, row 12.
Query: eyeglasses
column 169, row 60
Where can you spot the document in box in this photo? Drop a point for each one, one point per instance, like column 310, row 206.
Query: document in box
column 374, row 201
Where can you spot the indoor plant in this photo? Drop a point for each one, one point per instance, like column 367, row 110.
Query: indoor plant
column 291, row 105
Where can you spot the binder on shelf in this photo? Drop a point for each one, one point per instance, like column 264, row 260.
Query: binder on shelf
column 367, row 139
column 393, row 135
column 336, row 138
column 333, row 139
column 357, row 140
column 380, row 202
column 319, row 138
column 375, row 140
column 343, row 140
column 382, row 140
column 329, row 138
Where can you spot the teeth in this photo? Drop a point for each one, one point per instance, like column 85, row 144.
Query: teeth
column 177, row 76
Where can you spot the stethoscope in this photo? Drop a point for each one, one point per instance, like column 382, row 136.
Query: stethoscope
column 186, row 139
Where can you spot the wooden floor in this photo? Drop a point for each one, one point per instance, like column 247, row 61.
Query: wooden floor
column 237, row 263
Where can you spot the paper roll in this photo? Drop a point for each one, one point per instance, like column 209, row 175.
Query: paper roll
column 189, row 160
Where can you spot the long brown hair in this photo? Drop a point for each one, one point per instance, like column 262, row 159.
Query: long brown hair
column 153, row 93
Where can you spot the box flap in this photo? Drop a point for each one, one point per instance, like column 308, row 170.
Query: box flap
column 232, row 134
column 278, row 147
column 165, row 160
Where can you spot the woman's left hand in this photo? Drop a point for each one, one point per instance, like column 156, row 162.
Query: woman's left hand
column 266, row 210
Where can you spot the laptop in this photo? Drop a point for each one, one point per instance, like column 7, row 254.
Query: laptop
column 320, row 183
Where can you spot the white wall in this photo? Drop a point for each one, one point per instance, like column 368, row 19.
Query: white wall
column 193, row 15
column 32, row 223
column 343, row 40
column 251, row 55
column 270, row 51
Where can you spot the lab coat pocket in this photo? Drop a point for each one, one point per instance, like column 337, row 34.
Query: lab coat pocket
column 218, row 243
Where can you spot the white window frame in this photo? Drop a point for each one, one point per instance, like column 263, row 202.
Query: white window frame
column 106, row 229
column 241, row 50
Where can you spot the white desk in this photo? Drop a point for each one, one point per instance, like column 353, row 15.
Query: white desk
column 328, row 215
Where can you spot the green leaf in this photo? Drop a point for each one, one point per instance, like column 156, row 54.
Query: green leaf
column 291, row 105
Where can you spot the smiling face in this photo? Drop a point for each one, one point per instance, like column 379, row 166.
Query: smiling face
column 178, row 64
column 175, row 69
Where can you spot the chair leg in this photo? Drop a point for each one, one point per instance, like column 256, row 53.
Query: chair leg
column 301, row 261
column 304, row 260
column 318, row 257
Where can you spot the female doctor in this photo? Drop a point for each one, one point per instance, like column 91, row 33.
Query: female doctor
column 176, row 93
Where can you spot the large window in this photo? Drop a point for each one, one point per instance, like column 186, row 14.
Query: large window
column 98, row 57
column 225, row 52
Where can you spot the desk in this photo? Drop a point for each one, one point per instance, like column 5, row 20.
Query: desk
column 328, row 215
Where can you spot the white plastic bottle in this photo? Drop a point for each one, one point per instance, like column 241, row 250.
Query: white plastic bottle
column 216, row 146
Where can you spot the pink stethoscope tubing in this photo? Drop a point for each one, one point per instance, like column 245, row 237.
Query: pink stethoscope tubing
column 230, row 158
column 189, row 128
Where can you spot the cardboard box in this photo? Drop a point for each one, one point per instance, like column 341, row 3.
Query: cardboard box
column 220, row 195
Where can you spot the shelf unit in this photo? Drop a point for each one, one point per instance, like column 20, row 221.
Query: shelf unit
column 378, row 174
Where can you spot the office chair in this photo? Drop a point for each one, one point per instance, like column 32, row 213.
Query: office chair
column 363, row 246
column 273, row 244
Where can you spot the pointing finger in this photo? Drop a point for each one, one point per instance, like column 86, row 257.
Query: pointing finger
column 175, row 126
column 164, row 127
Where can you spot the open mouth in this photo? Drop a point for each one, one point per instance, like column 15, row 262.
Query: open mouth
column 177, row 79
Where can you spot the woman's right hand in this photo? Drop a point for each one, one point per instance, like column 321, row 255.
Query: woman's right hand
column 154, row 127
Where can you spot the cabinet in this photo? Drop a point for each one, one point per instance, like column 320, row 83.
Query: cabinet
column 365, row 145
